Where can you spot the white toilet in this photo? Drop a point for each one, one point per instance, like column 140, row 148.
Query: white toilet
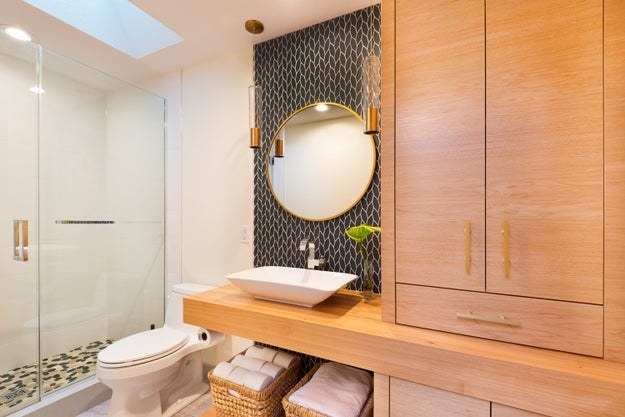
column 158, row 372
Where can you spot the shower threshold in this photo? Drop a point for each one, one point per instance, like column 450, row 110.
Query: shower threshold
column 20, row 385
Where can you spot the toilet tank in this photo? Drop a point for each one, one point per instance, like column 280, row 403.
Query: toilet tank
column 173, row 311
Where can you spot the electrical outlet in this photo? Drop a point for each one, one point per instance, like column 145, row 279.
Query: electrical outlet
column 243, row 235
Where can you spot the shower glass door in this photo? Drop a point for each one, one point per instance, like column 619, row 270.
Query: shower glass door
column 19, row 346
column 81, row 218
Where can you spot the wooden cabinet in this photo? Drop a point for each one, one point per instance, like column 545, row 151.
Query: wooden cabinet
column 544, row 147
column 439, row 143
column 498, row 410
column 408, row 399
column 498, row 169
column 614, row 122
column 559, row 325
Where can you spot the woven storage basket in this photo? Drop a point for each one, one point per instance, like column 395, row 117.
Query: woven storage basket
column 294, row 410
column 234, row 400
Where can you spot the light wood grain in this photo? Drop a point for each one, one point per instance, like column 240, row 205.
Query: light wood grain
column 210, row 413
column 544, row 136
column 499, row 410
column 415, row 400
column 348, row 330
column 615, row 180
column 439, row 155
column 387, row 162
column 566, row 326
column 381, row 399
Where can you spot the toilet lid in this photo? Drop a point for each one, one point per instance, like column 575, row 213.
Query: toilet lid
column 142, row 347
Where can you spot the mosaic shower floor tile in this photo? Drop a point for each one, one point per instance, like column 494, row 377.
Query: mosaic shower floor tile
column 20, row 384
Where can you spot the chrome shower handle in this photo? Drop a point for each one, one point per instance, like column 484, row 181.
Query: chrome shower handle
column 20, row 240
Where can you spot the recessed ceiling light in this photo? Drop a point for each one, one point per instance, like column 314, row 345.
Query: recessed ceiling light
column 18, row 34
column 118, row 23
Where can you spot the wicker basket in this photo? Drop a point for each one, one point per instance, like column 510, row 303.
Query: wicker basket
column 234, row 400
column 294, row 410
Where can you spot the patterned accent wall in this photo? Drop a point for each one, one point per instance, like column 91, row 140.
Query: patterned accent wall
column 319, row 63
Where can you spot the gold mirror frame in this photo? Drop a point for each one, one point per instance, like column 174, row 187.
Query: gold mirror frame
column 362, row 171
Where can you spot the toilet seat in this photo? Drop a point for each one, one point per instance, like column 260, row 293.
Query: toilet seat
column 142, row 347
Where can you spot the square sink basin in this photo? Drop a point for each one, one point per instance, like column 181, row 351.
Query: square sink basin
column 303, row 287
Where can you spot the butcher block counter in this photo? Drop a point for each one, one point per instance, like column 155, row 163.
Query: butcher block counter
column 347, row 329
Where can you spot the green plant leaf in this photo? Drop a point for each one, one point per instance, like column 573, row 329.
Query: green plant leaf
column 360, row 233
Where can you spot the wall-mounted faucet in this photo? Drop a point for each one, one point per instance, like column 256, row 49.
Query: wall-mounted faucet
column 311, row 262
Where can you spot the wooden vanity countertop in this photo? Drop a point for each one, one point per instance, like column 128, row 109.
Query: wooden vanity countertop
column 346, row 329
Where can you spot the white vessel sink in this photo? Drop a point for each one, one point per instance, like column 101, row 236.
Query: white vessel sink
column 304, row 287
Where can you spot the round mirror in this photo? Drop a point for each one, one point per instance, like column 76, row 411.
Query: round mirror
column 320, row 163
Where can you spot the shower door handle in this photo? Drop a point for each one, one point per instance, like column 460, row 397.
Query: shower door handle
column 20, row 240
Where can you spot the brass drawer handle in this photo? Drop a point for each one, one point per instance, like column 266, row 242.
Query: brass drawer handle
column 505, row 231
column 489, row 319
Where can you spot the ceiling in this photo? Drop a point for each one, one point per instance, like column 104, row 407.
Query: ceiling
column 210, row 28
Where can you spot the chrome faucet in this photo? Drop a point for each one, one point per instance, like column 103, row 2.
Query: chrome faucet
column 311, row 262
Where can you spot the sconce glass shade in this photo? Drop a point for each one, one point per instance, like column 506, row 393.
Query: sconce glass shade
column 371, row 94
column 254, row 96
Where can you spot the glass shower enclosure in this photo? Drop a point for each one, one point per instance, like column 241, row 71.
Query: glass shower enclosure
column 81, row 218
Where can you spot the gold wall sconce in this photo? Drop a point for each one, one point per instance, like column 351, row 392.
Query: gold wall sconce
column 254, row 27
column 254, row 96
column 371, row 85
column 278, row 151
column 371, row 94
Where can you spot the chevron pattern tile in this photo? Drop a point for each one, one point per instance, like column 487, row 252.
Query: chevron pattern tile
column 319, row 63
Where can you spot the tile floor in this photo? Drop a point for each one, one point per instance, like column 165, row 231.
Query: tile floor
column 195, row 409
column 20, row 384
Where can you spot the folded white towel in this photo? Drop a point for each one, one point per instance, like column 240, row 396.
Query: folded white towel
column 335, row 390
column 238, row 375
column 272, row 370
column 284, row 359
column 223, row 370
column 241, row 376
column 264, row 353
column 257, row 381
column 259, row 365
column 248, row 362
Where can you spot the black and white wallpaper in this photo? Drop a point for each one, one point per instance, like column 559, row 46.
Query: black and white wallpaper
column 319, row 63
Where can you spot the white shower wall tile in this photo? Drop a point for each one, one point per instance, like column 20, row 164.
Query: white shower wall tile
column 169, row 86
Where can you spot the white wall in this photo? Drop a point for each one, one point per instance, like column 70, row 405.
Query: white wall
column 101, row 158
column 217, row 176
column 209, row 175
column 134, row 200
column 217, row 168
column 169, row 86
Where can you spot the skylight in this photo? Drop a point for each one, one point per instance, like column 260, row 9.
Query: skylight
column 117, row 23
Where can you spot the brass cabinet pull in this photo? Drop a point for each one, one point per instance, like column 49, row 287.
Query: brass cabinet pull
column 489, row 319
column 505, row 231
column 467, row 247
column 20, row 240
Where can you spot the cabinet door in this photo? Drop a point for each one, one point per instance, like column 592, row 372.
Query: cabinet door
column 499, row 410
column 544, row 147
column 439, row 164
column 408, row 399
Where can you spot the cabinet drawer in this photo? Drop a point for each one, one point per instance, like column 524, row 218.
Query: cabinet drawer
column 559, row 325
column 408, row 399
column 499, row 410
